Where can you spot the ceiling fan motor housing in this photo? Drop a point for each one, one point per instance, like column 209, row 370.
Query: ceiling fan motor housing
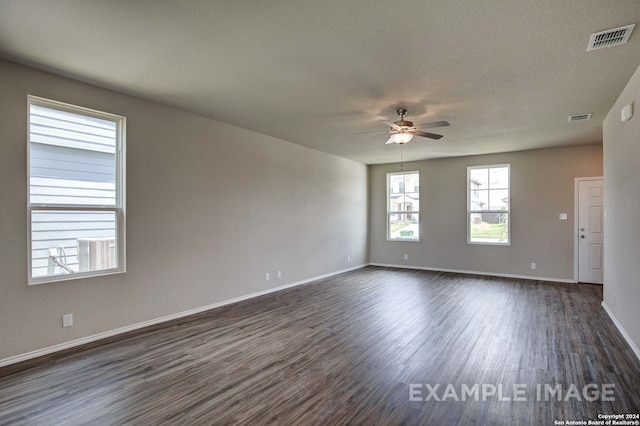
column 404, row 123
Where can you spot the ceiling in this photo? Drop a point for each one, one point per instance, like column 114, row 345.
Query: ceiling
column 506, row 74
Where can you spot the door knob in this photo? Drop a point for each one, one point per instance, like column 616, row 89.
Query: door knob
column 581, row 229
column 581, row 236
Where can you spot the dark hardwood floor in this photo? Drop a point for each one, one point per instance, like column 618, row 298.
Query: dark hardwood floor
column 346, row 350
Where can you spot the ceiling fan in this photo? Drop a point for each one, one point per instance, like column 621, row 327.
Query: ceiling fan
column 402, row 131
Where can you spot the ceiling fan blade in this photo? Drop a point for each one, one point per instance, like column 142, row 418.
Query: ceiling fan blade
column 427, row 135
column 370, row 133
column 434, row 124
column 389, row 141
column 391, row 124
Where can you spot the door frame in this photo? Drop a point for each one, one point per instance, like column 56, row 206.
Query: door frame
column 574, row 231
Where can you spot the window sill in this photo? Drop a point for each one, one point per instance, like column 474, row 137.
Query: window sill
column 75, row 276
column 483, row 243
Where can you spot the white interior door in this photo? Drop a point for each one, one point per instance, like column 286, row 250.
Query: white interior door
column 590, row 231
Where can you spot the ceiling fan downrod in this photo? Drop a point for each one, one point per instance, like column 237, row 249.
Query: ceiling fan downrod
column 402, row 123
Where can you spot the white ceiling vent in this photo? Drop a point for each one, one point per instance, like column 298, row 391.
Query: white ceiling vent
column 610, row 38
column 580, row 117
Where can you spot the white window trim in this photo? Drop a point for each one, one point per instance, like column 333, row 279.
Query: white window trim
column 408, row 240
column 469, row 212
column 119, row 207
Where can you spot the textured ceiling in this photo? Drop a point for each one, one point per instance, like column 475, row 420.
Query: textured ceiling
column 505, row 74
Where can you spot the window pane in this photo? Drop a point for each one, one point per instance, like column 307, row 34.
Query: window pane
column 478, row 178
column 489, row 228
column 66, row 242
column 404, row 226
column 396, row 184
column 403, row 205
column 404, row 202
column 499, row 199
column 412, row 202
column 412, row 182
column 75, row 161
column 62, row 128
column 479, row 200
column 488, row 201
column 72, row 158
column 396, row 202
column 499, row 178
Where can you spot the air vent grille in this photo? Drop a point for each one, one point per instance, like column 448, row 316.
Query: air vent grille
column 580, row 117
column 610, row 38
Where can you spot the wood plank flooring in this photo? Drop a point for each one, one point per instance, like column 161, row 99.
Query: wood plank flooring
column 345, row 350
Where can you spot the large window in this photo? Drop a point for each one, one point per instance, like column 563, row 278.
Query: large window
column 403, row 206
column 76, row 192
column 488, row 204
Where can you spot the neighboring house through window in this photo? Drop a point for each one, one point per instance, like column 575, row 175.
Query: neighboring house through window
column 488, row 208
column 403, row 206
column 76, row 192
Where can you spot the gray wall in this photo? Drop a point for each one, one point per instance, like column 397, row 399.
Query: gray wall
column 622, row 213
column 210, row 209
column 542, row 187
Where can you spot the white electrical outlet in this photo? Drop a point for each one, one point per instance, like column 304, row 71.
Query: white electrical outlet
column 279, row 274
column 533, row 265
column 67, row 320
column 266, row 276
column 563, row 216
column 406, row 257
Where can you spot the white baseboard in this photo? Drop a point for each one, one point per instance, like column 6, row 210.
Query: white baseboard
column 622, row 331
column 462, row 271
column 73, row 343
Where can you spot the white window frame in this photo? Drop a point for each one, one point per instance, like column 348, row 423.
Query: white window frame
column 389, row 212
column 470, row 212
column 120, row 186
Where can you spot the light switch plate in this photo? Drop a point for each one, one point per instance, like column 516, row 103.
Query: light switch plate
column 626, row 113
column 563, row 216
column 67, row 320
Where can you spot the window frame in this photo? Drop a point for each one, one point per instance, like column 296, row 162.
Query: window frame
column 120, row 192
column 389, row 212
column 470, row 212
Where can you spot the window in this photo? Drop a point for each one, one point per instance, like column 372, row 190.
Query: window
column 76, row 192
column 403, row 206
column 488, row 204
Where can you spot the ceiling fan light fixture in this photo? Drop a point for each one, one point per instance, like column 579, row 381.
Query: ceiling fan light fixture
column 401, row 137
